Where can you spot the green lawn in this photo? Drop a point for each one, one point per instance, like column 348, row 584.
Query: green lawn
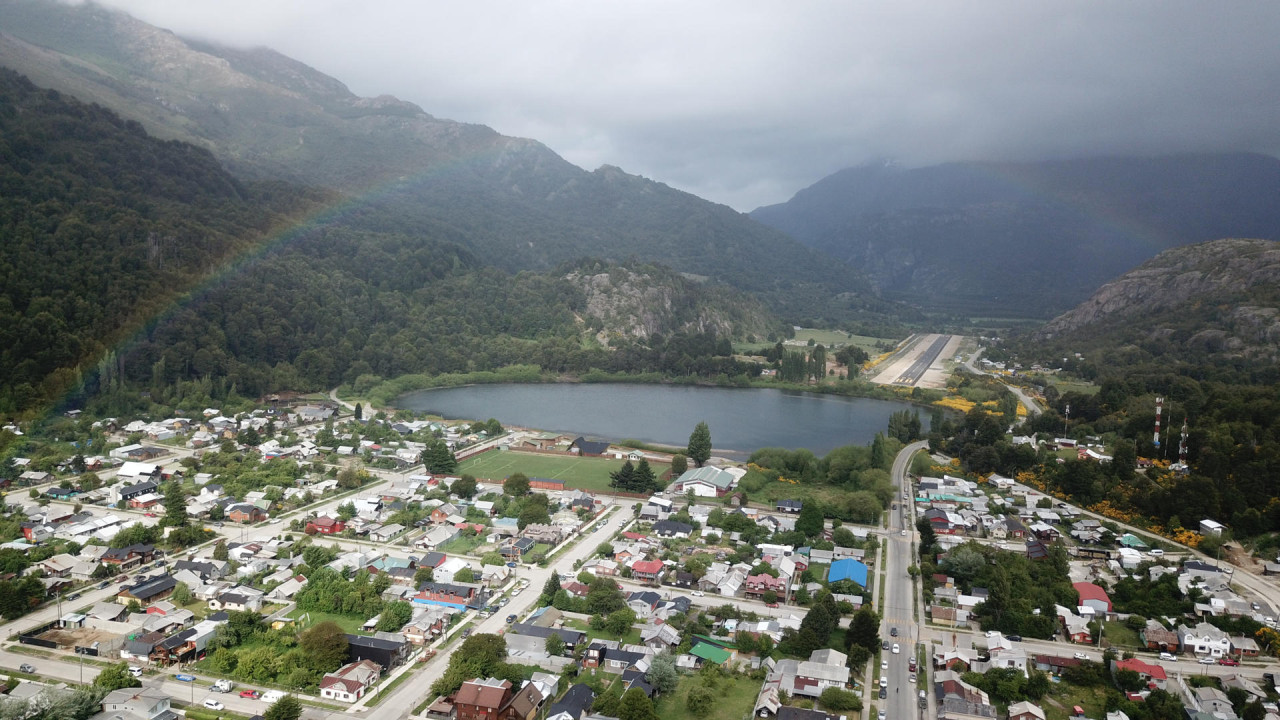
column 826, row 338
column 1118, row 634
column 1063, row 696
column 463, row 545
column 631, row 638
column 736, row 697
column 349, row 623
column 586, row 473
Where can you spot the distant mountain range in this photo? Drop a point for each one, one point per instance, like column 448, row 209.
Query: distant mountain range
column 513, row 202
column 1215, row 300
column 1031, row 239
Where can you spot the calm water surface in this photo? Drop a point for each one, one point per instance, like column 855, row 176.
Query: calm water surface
column 741, row 421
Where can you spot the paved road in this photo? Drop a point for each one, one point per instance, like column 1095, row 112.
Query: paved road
column 1033, row 407
column 899, row 611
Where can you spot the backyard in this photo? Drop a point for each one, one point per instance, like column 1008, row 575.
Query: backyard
column 584, row 473
column 736, row 697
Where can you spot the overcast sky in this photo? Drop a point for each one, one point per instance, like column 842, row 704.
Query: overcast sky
column 746, row 102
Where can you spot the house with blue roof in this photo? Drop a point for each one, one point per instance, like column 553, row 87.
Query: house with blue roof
column 848, row 569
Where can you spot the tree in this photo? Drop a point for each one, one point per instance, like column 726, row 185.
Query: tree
column 346, row 511
column 554, row 645
column 663, row 674
column 550, row 589
column 700, row 444
column 864, row 629
column 175, row 505
column 116, row 676
column 220, row 551
column 325, row 645
column 635, row 705
column 286, row 708
column 424, row 574
column 623, row 478
column 620, row 621
column 465, row 575
column 679, row 463
column 181, row 594
column 810, row 520
column 517, row 485
column 349, row 478
column 700, row 700
column 464, row 487
column 644, row 479
column 394, row 616
column 359, row 411
column 216, row 513
column 492, row 558
column 839, row 699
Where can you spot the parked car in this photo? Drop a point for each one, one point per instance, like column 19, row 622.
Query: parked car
column 1168, row 656
column 467, row 633
column 250, row 694
column 511, row 618
column 883, row 693
column 697, row 593
column 880, row 715
column 895, row 648
column 1014, row 638
column 150, row 514
column 1081, row 656
column 27, row 668
column 213, row 704
column 1156, row 552
column 1205, row 661
column 135, row 671
column 1228, row 661
column 772, row 605
column 893, row 632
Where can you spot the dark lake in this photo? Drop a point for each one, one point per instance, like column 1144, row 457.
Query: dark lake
column 741, row 420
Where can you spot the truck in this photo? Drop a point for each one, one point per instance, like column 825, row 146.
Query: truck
column 223, row 686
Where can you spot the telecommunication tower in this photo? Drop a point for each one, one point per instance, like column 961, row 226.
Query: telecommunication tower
column 1159, row 409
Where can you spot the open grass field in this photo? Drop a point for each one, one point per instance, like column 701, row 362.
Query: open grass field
column 828, row 338
column 584, row 473
column 735, row 699
column 349, row 623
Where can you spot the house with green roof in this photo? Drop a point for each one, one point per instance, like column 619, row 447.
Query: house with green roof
column 705, row 482
column 711, row 653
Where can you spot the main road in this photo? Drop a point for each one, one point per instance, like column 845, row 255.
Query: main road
column 900, row 611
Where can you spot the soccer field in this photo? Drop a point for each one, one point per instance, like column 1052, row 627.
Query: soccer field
column 585, row 473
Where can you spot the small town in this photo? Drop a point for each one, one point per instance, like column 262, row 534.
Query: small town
column 301, row 553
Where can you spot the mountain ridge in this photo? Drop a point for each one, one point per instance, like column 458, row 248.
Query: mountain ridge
column 512, row 201
column 1030, row 237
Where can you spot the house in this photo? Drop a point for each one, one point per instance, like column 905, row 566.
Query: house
column 609, row 656
column 671, row 528
column 1211, row 527
column 1075, row 627
column 757, row 586
column 1153, row 675
column 517, row 548
column 456, row 595
column 659, row 637
column 141, row 702
column 705, row 481
column 325, row 525
column 438, row 536
column 588, row 448
column 790, row 506
column 449, row 569
column 1025, row 710
column 1204, row 639
column 575, row 704
column 1243, row 647
column 1092, row 596
column 386, row 533
column 955, row 697
column 1160, row 639
column 245, row 513
column 148, row 590
column 647, row 570
column 1037, row 550
column 848, row 569
column 386, row 653
column 541, row 483
column 349, row 682
column 533, row 638
column 643, row 602
column 540, row 533
column 493, row 699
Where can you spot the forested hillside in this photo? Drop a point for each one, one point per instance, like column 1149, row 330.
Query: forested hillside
column 512, row 202
column 135, row 263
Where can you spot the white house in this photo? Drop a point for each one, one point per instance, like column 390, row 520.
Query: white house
column 1211, row 527
column 1204, row 639
column 445, row 573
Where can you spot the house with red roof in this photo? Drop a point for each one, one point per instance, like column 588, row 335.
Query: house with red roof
column 634, row 535
column 1093, row 596
column 647, row 570
column 1153, row 675
column 756, row 586
column 349, row 682
column 325, row 525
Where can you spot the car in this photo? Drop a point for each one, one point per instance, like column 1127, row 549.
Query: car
column 74, row 596
column 135, row 671
column 1014, row 638
column 1205, row 660
column 911, row 664
column 250, row 694
column 467, row 633
column 27, row 668
column 884, row 645
column 218, row 524
column 772, row 604
column 103, row 584
column 697, row 593
column 1168, row 656
column 883, row 693
column 1155, row 552
column 884, row 682
column 903, row 533
column 485, row 613
column 893, row 632
column 511, row 618
column 993, row 634
column 1255, row 606
column 894, row 506
column 884, row 665
column 1081, row 656
column 213, row 704
column 880, row 715
column 895, row 649
column 511, row 564
column 911, row 678
column 1228, row 661
column 149, row 515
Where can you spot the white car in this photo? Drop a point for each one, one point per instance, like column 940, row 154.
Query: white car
column 884, row 665
column 213, row 704
column 1155, row 552
column 697, row 593
column 1081, row 656
column 895, row 648
column 1168, row 656
column 884, row 682
column 903, row 533
column 879, row 715
column 993, row 633
column 1205, row 661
